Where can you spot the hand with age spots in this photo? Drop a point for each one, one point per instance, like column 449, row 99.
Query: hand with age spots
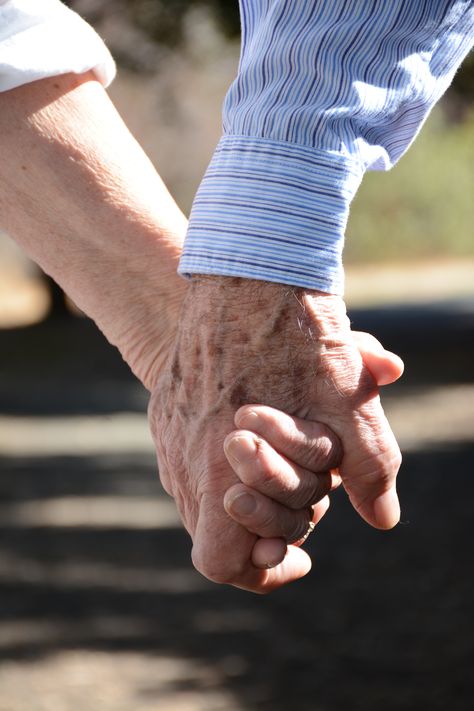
column 239, row 342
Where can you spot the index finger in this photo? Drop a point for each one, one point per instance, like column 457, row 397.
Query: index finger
column 309, row 444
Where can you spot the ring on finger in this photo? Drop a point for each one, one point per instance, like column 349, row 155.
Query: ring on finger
column 309, row 531
column 311, row 527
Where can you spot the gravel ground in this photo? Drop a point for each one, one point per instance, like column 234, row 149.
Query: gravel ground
column 100, row 609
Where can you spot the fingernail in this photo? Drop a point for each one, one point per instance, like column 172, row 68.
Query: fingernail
column 269, row 552
column 241, row 449
column 244, row 505
column 247, row 419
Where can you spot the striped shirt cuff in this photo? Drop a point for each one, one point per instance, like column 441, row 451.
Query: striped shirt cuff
column 274, row 211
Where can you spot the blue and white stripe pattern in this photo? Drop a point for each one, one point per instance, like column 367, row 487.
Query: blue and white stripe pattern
column 326, row 89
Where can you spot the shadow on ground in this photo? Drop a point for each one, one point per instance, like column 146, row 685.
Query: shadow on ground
column 384, row 619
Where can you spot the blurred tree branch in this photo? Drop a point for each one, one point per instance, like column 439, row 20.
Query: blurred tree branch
column 140, row 33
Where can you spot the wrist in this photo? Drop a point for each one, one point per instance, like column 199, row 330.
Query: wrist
column 323, row 314
column 135, row 299
column 257, row 342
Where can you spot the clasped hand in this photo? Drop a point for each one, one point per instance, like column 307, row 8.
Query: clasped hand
column 247, row 496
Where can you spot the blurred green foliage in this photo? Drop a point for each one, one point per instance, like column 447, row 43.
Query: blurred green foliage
column 424, row 207
column 463, row 85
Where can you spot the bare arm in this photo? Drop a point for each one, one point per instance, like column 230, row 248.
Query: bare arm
column 78, row 193
column 80, row 196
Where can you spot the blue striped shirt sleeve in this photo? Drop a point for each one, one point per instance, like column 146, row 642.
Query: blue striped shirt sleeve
column 326, row 89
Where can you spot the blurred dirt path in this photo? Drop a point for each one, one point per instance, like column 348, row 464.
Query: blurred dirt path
column 100, row 609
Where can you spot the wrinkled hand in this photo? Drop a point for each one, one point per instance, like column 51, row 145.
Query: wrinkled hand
column 276, row 460
column 241, row 341
column 255, row 564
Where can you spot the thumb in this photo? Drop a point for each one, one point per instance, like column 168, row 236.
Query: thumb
column 221, row 547
column 369, row 467
column 385, row 367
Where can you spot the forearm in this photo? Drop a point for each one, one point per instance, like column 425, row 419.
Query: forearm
column 78, row 193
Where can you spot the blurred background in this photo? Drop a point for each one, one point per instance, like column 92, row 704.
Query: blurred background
column 99, row 605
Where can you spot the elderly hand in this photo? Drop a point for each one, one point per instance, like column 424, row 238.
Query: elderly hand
column 280, row 462
column 241, row 341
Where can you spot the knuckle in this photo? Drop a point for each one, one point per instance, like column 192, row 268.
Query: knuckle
column 251, row 476
column 298, row 498
column 268, row 521
column 320, row 486
column 258, row 475
column 298, row 529
column 320, row 452
column 311, row 488
column 317, row 451
column 378, row 469
column 390, row 461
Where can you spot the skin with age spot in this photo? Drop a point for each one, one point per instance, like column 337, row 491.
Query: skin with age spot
column 114, row 236
column 299, row 356
column 238, row 395
column 176, row 369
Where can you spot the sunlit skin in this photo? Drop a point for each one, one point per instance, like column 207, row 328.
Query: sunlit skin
column 278, row 467
column 80, row 196
column 242, row 341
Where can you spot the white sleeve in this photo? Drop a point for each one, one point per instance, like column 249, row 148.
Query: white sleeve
column 44, row 38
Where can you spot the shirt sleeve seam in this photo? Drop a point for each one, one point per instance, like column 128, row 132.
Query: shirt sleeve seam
column 348, row 159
